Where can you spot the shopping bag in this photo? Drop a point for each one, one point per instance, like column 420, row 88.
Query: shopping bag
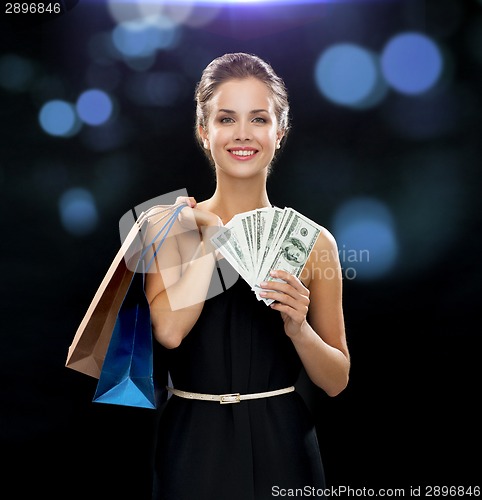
column 127, row 374
column 126, row 377
column 87, row 352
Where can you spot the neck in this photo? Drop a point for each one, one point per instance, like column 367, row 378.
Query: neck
column 235, row 196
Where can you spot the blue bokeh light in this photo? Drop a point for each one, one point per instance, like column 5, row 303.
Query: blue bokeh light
column 58, row 118
column 94, row 107
column 365, row 234
column 346, row 74
column 78, row 211
column 411, row 63
column 134, row 42
column 142, row 38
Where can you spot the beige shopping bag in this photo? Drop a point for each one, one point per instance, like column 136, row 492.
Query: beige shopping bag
column 89, row 346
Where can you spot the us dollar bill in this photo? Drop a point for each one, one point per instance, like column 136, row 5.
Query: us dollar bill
column 293, row 247
column 226, row 242
column 258, row 241
column 273, row 224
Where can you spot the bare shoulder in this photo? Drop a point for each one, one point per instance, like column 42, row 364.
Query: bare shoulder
column 325, row 240
column 204, row 205
column 323, row 259
column 325, row 248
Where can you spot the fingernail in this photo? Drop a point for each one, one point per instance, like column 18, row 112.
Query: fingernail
column 272, row 273
column 263, row 283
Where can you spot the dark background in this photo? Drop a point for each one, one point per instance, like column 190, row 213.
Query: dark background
column 410, row 415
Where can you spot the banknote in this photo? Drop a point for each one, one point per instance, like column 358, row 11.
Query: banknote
column 258, row 241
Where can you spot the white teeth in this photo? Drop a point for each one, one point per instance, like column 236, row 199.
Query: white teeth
column 243, row 153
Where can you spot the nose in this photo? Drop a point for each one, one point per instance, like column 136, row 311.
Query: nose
column 242, row 131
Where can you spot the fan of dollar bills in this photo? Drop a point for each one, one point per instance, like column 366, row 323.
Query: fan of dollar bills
column 260, row 240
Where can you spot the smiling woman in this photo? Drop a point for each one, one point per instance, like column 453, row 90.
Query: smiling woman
column 269, row 104
column 233, row 349
column 249, row 133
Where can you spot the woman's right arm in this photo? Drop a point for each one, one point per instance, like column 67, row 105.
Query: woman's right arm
column 176, row 291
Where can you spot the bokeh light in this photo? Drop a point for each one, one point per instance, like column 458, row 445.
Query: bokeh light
column 347, row 75
column 143, row 37
column 202, row 15
column 58, row 118
column 16, row 73
column 94, row 107
column 78, row 211
column 366, row 238
column 125, row 11
column 411, row 63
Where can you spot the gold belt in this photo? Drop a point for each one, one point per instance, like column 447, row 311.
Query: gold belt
column 229, row 398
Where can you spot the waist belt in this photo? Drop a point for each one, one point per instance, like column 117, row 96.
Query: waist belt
column 229, row 398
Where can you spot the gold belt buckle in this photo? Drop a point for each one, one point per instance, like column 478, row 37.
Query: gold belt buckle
column 230, row 398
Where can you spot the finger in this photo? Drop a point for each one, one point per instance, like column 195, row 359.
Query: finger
column 190, row 201
column 278, row 288
column 293, row 300
column 288, row 278
column 187, row 219
column 286, row 288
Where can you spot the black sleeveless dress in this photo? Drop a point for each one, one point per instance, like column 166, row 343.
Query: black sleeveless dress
column 240, row 451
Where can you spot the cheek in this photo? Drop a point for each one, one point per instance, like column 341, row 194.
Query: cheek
column 273, row 134
column 218, row 137
column 271, row 139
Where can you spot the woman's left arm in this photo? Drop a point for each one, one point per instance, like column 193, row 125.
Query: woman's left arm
column 313, row 315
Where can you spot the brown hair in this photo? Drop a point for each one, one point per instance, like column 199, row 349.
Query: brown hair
column 239, row 65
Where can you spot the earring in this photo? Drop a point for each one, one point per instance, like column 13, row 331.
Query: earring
column 206, row 144
column 278, row 145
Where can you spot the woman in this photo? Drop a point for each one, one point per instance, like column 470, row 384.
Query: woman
column 233, row 343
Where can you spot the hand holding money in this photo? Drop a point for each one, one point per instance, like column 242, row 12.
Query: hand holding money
column 265, row 239
column 291, row 299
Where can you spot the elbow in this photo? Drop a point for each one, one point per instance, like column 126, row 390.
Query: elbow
column 167, row 335
column 337, row 385
column 339, row 382
column 337, row 389
column 170, row 342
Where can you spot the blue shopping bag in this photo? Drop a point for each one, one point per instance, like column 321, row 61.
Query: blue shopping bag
column 127, row 376
column 127, row 372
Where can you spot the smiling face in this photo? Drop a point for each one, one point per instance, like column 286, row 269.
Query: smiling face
column 242, row 131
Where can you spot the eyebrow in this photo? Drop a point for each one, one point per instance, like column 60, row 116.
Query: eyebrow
column 232, row 112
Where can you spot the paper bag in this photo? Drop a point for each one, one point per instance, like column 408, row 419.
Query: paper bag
column 89, row 346
column 127, row 372
column 88, row 349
